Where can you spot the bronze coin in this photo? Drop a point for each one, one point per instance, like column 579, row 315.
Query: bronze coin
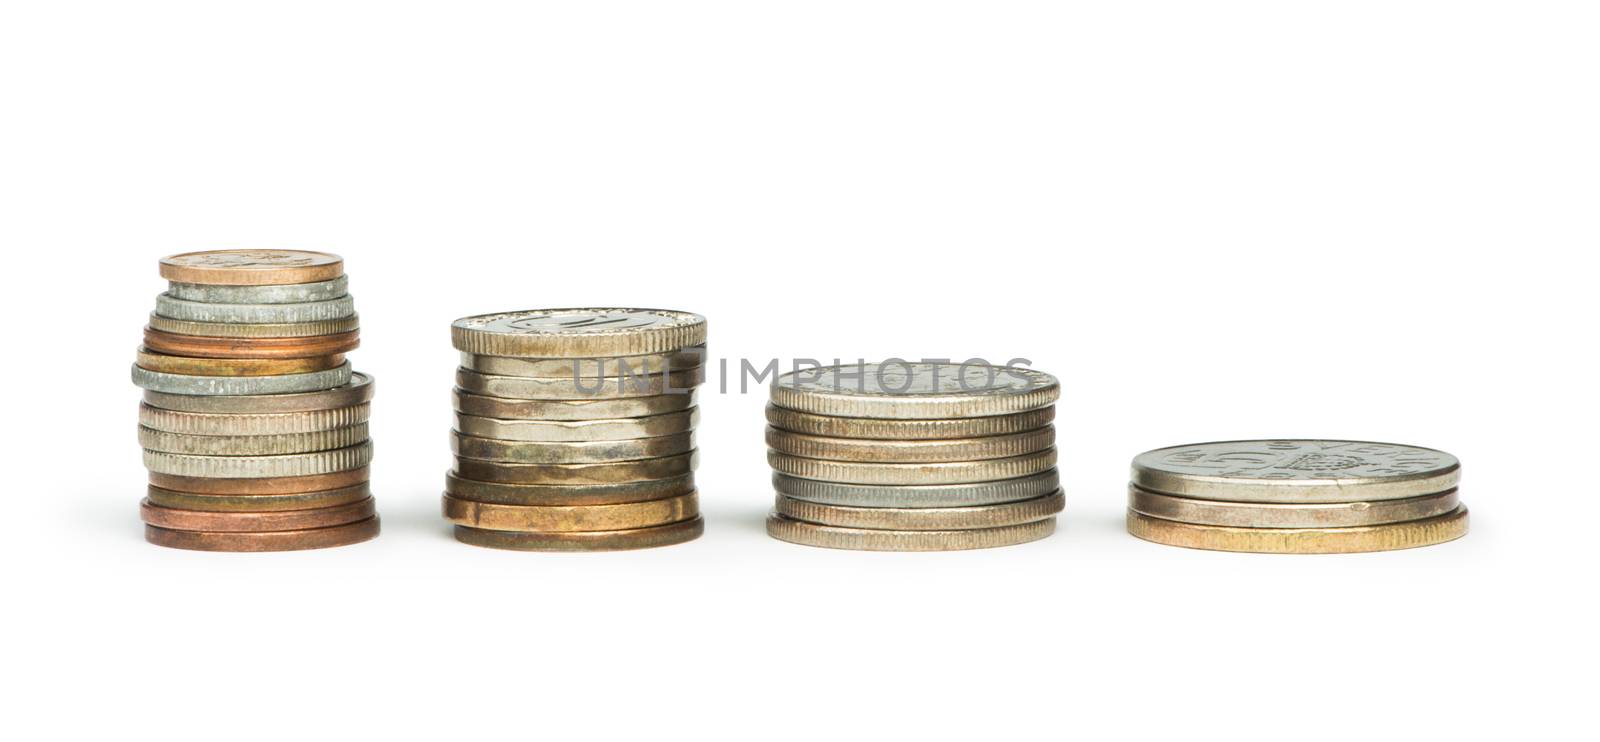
column 252, row 267
column 169, row 364
column 199, row 346
column 247, row 522
column 639, row 538
column 264, row 486
column 567, row 494
column 314, row 538
column 583, row 474
column 257, row 503
column 571, row 518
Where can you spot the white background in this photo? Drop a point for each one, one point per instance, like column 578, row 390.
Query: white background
column 1211, row 220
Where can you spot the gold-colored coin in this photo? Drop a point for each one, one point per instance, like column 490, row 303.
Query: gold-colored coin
column 228, row 347
column 923, row 519
column 169, row 364
column 915, row 430
column 274, row 330
column 1387, row 537
column 255, row 522
column 200, row 485
column 866, row 539
column 589, row 452
column 640, row 538
column 571, row 409
column 955, row 472
column 564, row 518
column 258, row 503
column 311, row 538
column 935, row 451
column 577, row 474
column 252, row 267
column 1289, row 515
column 567, row 494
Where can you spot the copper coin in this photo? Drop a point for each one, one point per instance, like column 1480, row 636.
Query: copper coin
column 571, row 518
column 252, row 267
column 169, row 364
column 567, row 494
column 257, row 503
column 628, row 471
column 200, row 346
column 265, row 486
column 639, row 538
column 314, row 538
column 247, row 522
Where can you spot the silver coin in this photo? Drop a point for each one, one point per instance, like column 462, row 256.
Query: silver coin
column 558, row 431
column 570, row 409
column 1296, row 471
column 358, row 391
column 1299, row 515
column 922, row 519
column 917, row 496
column 915, row 391
column 230, row 386
column 578, row 333
column 298, row 293
column 871, row 539
column 518, row 387
column 259, row 467
column 315, row 311
column 588, row 452
column 282, row 423
column 586, row 368
column 251, row 445
column 957, row 472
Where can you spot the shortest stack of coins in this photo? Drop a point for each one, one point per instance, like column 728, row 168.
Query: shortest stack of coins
column 1296, row 497
column 254, row 427
column 913, row 456
column 575, row 429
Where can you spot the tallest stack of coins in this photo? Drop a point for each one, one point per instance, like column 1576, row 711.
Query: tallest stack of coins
column 253, row 425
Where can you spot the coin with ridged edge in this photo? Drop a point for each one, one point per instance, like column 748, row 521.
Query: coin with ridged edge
column 571, row 409
column 918, row 391
column 579, row 332
column 578, row 431
column 586, row 368
column 273, row 330
column 569, row 518
column 235, row 386
column 358, row 391
column 567, row 494
column 254, row 467
column 1302, row 515
column 879, row 429
column 957, row 449
column 311, row 311
column 866, row 539
column 1296, row 471
column 311, row 538
column 957, row 472
column 923, row 519
column 641, row 538
column 251, row 445
column 257, row 503
column 1387, row 537
column 252, row 267
column 298, row 293
column 589, row 452
column 577, row 474
column 213, row 347
column 253, row 522
column 260, row 485
column 201, row 423
column 518, row 387
column 917, row 496
column 169, row 364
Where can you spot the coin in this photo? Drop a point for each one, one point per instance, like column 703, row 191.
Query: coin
column 580, row 333
column 259, row 467
column 917, row 391
column 517, row 387
column 590, row 452
column 1303, row 515
column 917, row 496
column 252, row 522
column 160, row 362
column 312, row 311
column 358, row 391
column 958, row 472
column 200, row 423
column 312, row 538
column 957, row 449
column 566, row 494
column 571, row 409
column 209, row 347
column 274, row 330
column 210, row 386
column 586, row 368
column 299, row 293
column 866, row 539
column 260, row 485
column 569, row 518
column 865, row 427
column 251, row 445
column 1296, row 471
column 923, row 519
column 577, row 474
column 1386, row 537
column 553, row 431
column 251, row 267
column 641, row 538
column 258, row 503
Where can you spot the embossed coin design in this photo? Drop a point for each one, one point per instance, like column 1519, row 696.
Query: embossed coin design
column 1296, row 471
column 197, row 311
column 917, row 391
column 299, row 293
column 251, row 267
column 578, row 333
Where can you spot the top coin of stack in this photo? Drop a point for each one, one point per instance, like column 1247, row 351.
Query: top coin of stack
column 575, row 429
column 1296, row 496
column 913, row 456
column 254, row 425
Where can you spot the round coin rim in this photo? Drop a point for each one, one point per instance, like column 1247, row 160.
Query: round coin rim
column 1354, row 540
column 643, row 341
column 1290, row 515
column 1239, row 489
column 867, row 539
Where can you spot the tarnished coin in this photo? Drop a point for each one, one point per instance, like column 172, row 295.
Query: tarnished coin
column 257, row 467
column 517, row 387
column 258, row 503
column 299, row 293
column 570, row 409
column 923, row 519
column 917, row 496
column 918, row 391
column 588, row 452
column 209, row 347
column 251, row 445
column 956, row 472
column 641, row 538
column 274, row 330
column 586, row 368
column 167, row 364
column 252, row 522
column 314, row 311
column 578, row 333
column 1300, row 515
column 358, row 391
column 918, row 430
column 311, row 538
column 957, row 449
column 251, row 267
column 866, row 539
column 568, row 518
column 1296, row 471
column 201, row 423
column 230, row 486
column 554, row 431
column 210, row 386
column 1387, row 537
column 577, row 474
column 567, row 494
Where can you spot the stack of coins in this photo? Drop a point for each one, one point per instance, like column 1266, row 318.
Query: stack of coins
column 575, row 429
column 254, row 427
column 913, row 456
column 1296, row 497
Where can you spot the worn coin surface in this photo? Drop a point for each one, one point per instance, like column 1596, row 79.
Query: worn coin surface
column 167, row 364
column 640, row 538
column 312, row 538
column 200, row 423
column 251, row 445
column 923, row 519
column 518, row 387
column 1386, row 537
column 313, row 311
column 299, row 293
column 866, row 539
column 577, row 474
column 1296, row 471
column 251, row 267
column 917, row 496
column 185, row 384
column 879, row 429
column 358, row 391
column 273, row 330
column 955, row 472
column 212, row 347
column 586, row 368
column 917, row 391
column 564, row 518
column 256, row 467
column 580, row 333
column 587, row 452
column 260, row 485
column 1299, row 515
column 250, row 522
column 554, row 431
column 956, row 449
column 258, row 503
column 567, row 494
column 570, row 409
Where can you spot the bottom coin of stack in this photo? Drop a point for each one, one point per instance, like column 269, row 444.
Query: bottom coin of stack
column 887, row 458
column 1296, row 497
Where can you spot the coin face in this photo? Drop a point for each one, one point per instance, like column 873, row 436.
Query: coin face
column 564, row 333
column 1296, row 471
column 251, row 267
column 915, row 390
